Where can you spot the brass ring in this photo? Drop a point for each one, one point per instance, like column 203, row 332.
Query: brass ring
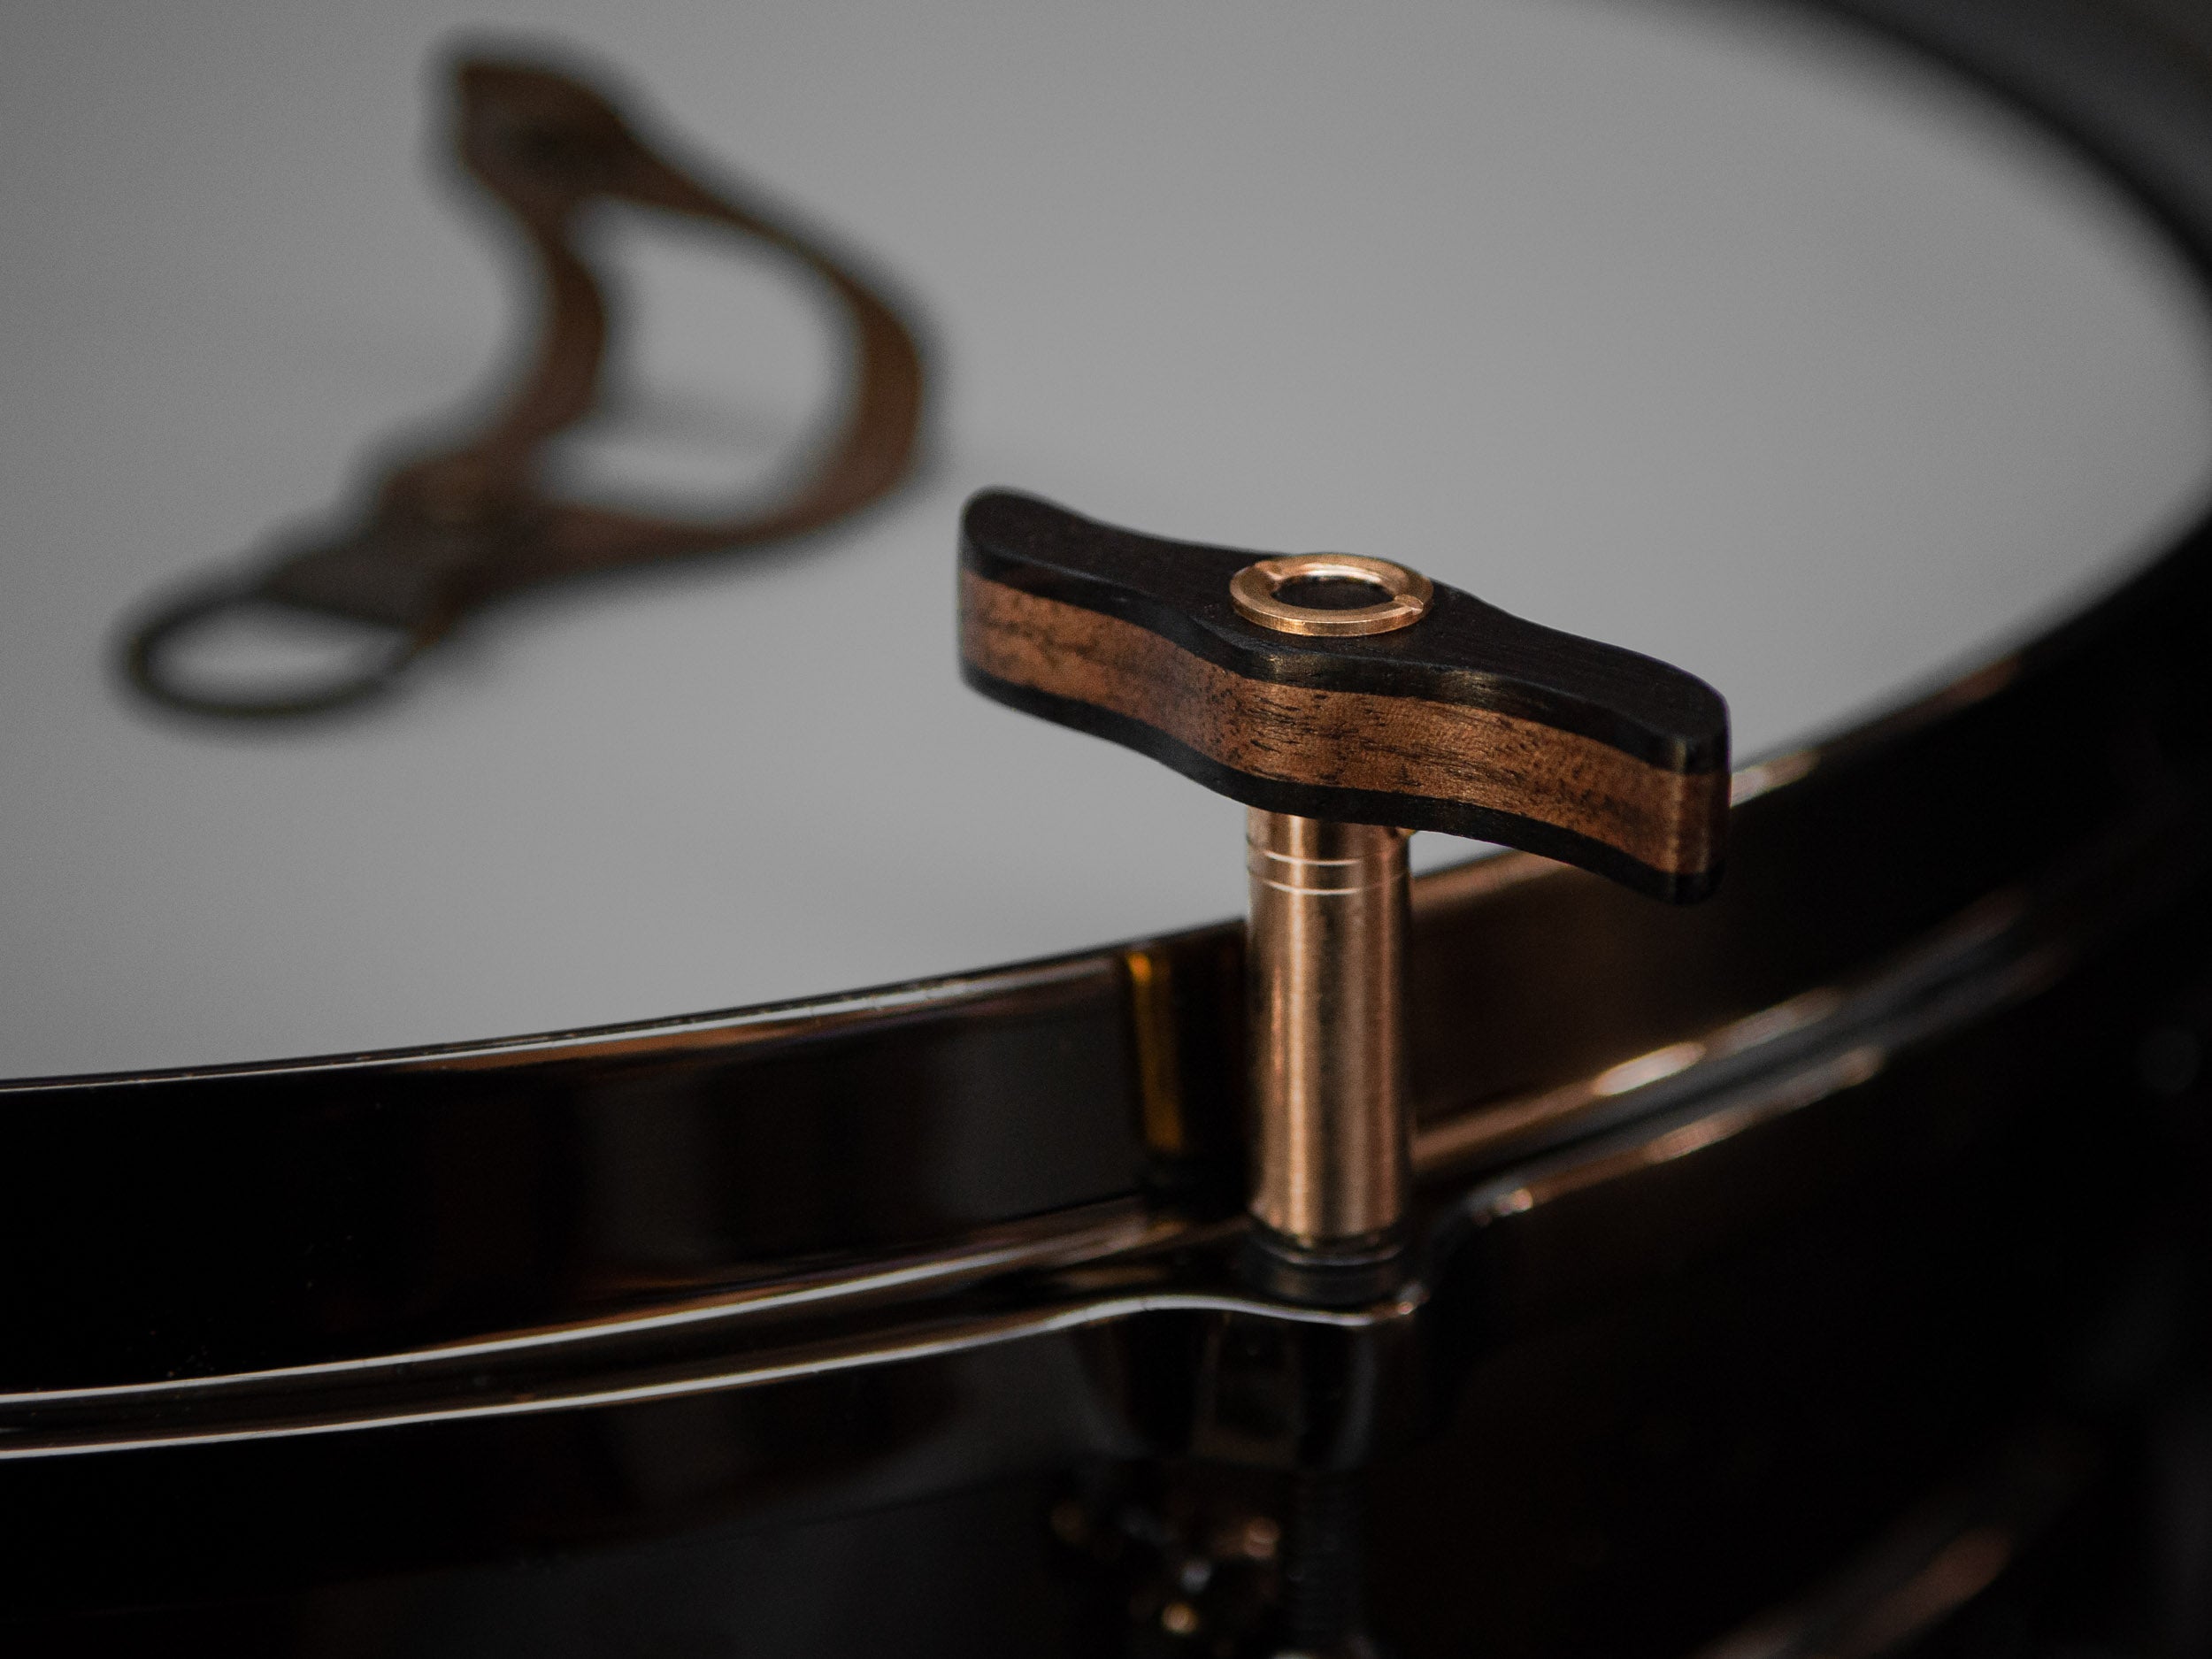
column 1253, row 589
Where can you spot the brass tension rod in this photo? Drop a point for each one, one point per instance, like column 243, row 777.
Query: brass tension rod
column 1325, row 972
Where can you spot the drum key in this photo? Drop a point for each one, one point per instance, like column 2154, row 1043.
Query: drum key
column 1345, row 701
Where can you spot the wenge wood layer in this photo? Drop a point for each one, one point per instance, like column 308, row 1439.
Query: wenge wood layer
column 1471, row 721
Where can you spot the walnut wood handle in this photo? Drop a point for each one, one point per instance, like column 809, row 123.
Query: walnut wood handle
column 1468, row 720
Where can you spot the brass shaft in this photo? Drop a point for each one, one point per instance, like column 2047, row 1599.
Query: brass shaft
column 1326, row 951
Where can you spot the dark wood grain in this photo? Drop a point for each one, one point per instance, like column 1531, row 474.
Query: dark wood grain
column 1471, row 721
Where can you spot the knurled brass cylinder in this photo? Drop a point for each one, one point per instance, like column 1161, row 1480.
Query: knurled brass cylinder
column 1325, row 965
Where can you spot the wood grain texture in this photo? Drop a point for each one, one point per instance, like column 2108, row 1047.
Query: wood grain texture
column 1125, row 636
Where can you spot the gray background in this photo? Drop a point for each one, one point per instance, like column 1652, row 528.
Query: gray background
column 1732, row 340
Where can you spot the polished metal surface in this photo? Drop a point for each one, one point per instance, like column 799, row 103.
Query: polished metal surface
column 1258, row 592
column 1486, row 1175
column 1325, row 958
column 1948, row 1550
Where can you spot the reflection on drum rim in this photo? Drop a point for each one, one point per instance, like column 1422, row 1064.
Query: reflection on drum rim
column 1747, row 1074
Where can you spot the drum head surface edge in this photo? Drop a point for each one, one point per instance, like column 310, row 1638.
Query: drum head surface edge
column 1741, row 342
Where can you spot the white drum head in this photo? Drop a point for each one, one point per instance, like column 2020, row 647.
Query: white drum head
column 1735, row 341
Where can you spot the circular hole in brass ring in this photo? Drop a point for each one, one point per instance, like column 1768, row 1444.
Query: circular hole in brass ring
column 1256, row 591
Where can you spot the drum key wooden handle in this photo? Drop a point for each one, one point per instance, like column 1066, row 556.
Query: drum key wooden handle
column 1345, row 701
